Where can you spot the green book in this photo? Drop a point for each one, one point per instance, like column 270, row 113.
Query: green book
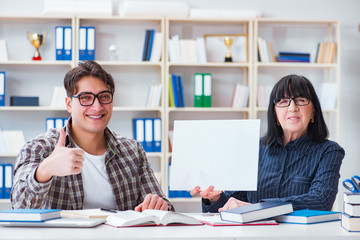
column 207, row 82
column 171, row 93
column 198, row 90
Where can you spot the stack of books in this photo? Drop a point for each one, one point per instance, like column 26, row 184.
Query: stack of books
column 293, row 57
column 308, row 216
column 350, row 219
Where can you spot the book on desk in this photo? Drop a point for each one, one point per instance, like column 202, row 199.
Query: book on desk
column 307, row 216
column 256, row 211
column 29, row 215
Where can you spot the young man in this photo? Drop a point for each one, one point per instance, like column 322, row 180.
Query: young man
column 85, row 165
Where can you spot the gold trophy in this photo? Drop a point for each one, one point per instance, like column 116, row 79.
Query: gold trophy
column 36, row 40
column 228, row 41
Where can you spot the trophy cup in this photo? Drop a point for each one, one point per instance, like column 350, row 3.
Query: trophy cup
column 228, row 41
column 36, row 40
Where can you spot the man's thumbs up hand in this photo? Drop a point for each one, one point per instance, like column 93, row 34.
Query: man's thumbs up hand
column 62, row 161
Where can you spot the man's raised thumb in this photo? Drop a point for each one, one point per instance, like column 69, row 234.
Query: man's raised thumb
column 62, row 137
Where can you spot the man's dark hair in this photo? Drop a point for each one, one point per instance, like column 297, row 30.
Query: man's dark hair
column 86, row 69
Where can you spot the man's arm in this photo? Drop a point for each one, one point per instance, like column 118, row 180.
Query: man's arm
column 151, row 193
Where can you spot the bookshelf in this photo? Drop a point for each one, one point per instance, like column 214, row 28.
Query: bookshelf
column 133, row 77
column 285, row 35
column 224, row 77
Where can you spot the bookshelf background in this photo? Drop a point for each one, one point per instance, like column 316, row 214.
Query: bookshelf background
column 133, row 77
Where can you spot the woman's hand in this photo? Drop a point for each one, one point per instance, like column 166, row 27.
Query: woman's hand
column 233, row 203
column 208, row 193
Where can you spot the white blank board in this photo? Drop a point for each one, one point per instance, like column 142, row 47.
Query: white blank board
column 219, row 153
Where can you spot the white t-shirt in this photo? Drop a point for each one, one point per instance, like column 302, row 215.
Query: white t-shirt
column 97, row 188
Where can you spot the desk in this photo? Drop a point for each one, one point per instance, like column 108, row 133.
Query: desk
column 322, row 231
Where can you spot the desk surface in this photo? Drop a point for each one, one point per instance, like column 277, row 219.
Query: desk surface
column 330, row 230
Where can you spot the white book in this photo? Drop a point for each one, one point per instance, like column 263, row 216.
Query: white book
column 353, row 198
column 327, row 95
column 58, row 97
column 158, row 96
column 201, row 50
column 236, row 101
column 261, row 50
column 157, row 47
column 174, row 50
column 352, row 209
column 244, row 96
column 149, row 217
column 149, row 96
column 3, row 51
column 153, row 96
column 3, row 146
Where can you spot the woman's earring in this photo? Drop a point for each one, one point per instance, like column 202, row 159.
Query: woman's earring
column 312, row 120
column 277, row 123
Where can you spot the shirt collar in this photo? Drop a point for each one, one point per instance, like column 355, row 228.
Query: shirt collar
column 302, row 144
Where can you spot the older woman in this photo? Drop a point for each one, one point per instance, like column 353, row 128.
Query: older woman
column 297, row 163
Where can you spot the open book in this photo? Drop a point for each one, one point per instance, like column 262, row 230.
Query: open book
column 149, row 217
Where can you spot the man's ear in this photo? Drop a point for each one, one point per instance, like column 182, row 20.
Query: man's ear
column 68, row 104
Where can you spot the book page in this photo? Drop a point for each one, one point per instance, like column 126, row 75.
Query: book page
column 219, row 153
column 85, row 213
column 168, row 217
column 131, row 218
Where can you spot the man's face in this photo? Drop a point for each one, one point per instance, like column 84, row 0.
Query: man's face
column 89, row 119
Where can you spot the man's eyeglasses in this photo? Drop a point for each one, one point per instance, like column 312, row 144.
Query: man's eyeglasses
column 88, row 98
column 285, row 102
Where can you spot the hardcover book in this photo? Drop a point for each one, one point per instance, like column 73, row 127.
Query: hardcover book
column 352, row 198
column 352, row 209
column 149, row 217
column 307, row 216
column 213, row 219
column 351, row 224
column 257, row 211
column 31, row 215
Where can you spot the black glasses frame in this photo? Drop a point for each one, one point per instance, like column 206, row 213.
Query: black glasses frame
column 290, row 99
column 95, row 96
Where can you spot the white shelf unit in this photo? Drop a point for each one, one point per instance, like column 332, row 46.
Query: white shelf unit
column 298, row 36
column 224, row 76
column 132, row 76
column 25, row 77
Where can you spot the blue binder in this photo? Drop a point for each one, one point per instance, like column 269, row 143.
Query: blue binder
column 181, row 91
column 2, row 178
column 90, row 43
column 59, row 43
column 174, row 82
column 139, row 130
column 8, row 179
column 2, row 88
column 82, row 43
column 149, row 135
column 150, row 45
column 157, row 134
column 67, row 43
column 146, row 43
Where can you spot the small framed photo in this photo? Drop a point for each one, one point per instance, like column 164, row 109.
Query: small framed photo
column 217, row 47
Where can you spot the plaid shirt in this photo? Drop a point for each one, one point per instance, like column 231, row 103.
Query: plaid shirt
column 129, row 172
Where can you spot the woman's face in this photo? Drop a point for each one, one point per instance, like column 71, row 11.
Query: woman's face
column 294, row 119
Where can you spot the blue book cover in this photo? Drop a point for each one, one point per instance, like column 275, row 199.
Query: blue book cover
column 175, row 87
column 67, row 43
column 139, row 130
column 90, row 43
column 59, row 43
column 150, row 44
column 294, row 54
column 1, row 178
column 256, row 211
column 294, row 58
column 2, row 88
column 82, row 43
column 307, row 216
column 146, row 43
column 181, row 91
column 8, row 180
column 157, row 134
column 149, row 135
column 29, row 215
